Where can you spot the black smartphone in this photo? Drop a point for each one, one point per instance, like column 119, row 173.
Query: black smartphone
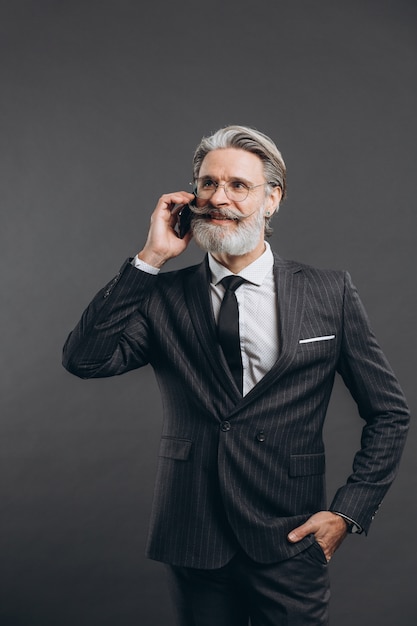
column 184, row 220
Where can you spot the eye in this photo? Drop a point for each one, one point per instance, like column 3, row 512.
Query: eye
column 207, row 184
column 238, row 185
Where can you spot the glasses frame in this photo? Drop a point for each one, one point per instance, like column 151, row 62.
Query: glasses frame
column 224, row 185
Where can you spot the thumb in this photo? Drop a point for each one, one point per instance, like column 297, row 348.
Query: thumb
column 299, row 533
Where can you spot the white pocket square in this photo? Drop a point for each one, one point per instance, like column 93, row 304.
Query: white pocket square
column 322, row 338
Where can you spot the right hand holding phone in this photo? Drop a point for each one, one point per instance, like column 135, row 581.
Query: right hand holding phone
column 163, row 242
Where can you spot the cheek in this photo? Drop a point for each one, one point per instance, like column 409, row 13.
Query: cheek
column 200, row 203
column 249, row 209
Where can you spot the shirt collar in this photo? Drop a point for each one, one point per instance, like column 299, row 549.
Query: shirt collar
column 254, row 273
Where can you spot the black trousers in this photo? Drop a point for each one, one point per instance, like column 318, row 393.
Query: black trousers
column 294, row 592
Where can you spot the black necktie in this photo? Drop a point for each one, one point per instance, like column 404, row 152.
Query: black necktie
column 228, row 328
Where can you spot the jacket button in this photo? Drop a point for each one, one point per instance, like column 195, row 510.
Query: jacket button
column 225, row 426
column 260, row 435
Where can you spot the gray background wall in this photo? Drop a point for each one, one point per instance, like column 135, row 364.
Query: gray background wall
column 102, row 104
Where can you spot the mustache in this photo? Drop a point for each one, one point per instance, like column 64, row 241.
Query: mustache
column 209, row 211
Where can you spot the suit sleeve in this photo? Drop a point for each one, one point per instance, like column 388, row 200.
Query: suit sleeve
column 112, row 336
column 381, row 404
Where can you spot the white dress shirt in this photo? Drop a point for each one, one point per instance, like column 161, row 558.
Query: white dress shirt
column 258, row 314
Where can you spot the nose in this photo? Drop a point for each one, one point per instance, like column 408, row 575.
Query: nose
column 219, row 196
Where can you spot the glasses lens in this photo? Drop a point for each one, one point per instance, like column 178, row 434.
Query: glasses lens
column 236, row 190
column 204, row 188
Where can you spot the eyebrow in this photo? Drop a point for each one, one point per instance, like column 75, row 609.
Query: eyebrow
column 229, row 180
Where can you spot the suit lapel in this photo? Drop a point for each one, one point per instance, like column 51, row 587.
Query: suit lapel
column 291, row 287
column 197, row 294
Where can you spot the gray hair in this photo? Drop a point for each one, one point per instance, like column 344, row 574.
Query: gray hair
column 251, row 140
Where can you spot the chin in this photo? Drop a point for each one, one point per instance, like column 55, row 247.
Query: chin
column 216, row 238
column 235, row 240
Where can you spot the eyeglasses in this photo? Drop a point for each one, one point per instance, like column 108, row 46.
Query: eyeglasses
column 235, row 190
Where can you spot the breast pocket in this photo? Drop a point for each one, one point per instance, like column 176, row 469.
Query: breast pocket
column 320, row 348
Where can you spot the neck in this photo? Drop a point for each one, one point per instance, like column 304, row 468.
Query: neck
column 236, row 263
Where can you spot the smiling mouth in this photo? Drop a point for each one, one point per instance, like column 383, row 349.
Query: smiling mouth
column 215, row 215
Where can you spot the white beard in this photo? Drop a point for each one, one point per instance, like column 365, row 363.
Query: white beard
column 217, row 239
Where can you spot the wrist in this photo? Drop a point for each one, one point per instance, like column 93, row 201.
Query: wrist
column 351, row 526
column 152, row 258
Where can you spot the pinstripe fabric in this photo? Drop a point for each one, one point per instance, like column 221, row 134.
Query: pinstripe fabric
column 236, row 470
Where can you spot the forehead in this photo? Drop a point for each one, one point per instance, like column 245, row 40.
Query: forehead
column 228, row 163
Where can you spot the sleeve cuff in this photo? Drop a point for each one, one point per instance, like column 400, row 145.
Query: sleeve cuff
column 352, row 526
column 144, row 267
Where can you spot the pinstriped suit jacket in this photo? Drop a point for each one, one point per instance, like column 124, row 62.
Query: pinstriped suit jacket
column 245, row 471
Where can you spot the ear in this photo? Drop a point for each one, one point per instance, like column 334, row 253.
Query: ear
column 272, row 204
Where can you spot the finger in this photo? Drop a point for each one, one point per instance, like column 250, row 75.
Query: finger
column 172, row 200
column 300, row 532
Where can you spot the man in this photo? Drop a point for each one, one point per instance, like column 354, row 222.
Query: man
column 245, row 372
